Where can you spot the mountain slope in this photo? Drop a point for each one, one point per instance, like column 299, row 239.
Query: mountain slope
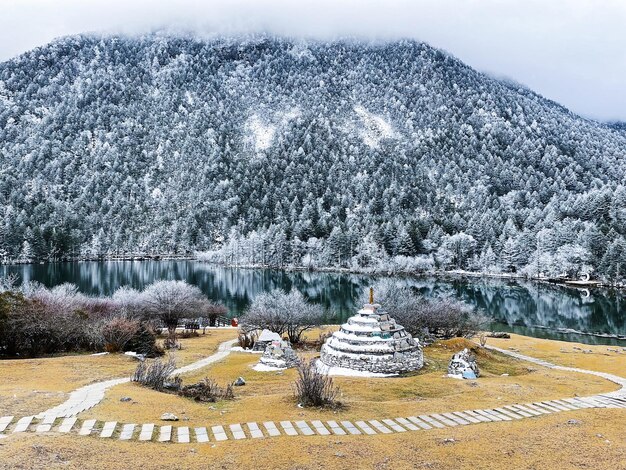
column 173, row 144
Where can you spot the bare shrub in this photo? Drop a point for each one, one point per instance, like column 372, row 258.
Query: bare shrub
column 117, row 332
column 428, row 319
column 246, row 340
column 170, row 302
column 282, row 313
column 207, row 390
column 314, row 389
column 154, row 373
column 144, row 341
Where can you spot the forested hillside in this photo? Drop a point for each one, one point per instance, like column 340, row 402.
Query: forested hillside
column 280, row 152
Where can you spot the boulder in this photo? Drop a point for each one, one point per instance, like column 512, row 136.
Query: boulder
column 126, row 399
column 463, row 365
column 279, row 355
column 169, row 417
column 239, row 382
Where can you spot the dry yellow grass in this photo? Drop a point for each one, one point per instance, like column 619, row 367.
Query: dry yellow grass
column 548, row 442
column 268, row 395
column 33, row 385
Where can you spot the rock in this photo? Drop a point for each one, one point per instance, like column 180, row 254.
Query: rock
column 449, row 440
column 504, row 375
column 574, row 421
column 463, row 365
column 239, row 382
column 126, row 399
column 499, row 334
column 169, row 417
column 278, row 355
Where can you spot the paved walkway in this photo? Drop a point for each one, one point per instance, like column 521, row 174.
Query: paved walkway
column 268, row 429
column 90, row 395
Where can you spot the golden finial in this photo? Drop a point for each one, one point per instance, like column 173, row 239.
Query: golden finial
column 371, row 296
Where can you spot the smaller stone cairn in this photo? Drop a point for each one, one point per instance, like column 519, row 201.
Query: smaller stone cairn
column 279, row 355
column 463, row 365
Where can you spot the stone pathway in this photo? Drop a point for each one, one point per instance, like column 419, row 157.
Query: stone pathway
column 150, row 432
column 89, row 396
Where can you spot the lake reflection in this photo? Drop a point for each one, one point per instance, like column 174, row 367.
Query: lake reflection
column 524, row 307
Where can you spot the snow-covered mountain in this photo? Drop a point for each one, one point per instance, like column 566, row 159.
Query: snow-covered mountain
column 164, row 143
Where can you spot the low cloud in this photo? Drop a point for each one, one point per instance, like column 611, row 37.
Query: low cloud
column 570, row 51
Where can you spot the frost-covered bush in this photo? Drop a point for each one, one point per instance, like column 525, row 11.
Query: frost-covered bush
column 282, row 313
column 427, row 318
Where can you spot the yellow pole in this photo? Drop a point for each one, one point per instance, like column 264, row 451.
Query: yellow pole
column 371, row 295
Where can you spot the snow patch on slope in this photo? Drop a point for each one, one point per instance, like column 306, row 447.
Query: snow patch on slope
column 260, row 133
column 374, row 127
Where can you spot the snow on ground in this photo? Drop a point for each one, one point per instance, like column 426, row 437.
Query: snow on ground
column 375, row 127
column 261, row 132
column 240, row 349
column 342, row 371
column 265, row 368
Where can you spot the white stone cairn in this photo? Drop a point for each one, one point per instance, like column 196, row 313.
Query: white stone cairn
column 371, row 341
column 278, row 355
column 463, row 365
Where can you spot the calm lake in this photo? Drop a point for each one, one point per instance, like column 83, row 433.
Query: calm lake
column 595, row 316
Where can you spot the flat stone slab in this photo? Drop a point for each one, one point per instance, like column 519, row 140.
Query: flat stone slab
column 202, row 435
column 219, row 434
column 127, row 432
column 478, row 416
column 407, row 424
column 23, row 423
column 67, row 424
column 271, row 429
column 365, row 427
column 393, row 425
column 444, row 420
column 527, row 410
column 380, row 427
column 466, row 417
column 431, row 421
column 455, row 418
column 547, row 407
column 46, row 424
column 502, row 417
column 254, row 430
column 182, row 435
column 320, row 428
column 86, row 428
column 288, row 428
column 555, row 405
column 351, row 428
column 422, row 424
column 165, row 433
column 108, row 429
column 525, row 414
column 4, row 422
column 304, row 428
column 146, row 432
column 509, row 413
column 237, row 431
column 537, row 409
column 335, row 428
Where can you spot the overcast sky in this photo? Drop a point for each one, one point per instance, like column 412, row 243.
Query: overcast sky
column 571, row 51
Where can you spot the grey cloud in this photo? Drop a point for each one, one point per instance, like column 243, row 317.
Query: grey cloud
column 573, row 52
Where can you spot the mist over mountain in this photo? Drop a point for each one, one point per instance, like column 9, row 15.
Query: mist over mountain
column 306, row 153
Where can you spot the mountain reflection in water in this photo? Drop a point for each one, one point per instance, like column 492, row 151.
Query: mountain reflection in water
column 593, row 316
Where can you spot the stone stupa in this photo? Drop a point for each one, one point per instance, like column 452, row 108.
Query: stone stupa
column 371, row 341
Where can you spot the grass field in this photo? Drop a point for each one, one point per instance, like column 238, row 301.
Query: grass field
column 596, row 440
